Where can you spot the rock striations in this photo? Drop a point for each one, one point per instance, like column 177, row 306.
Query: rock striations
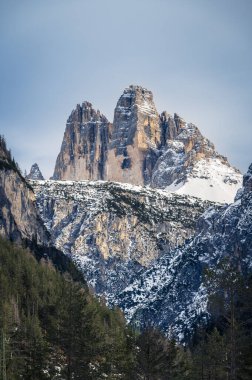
column 142, row 147
column 136, row 138
column 19, row 219
column 112, row 230
column 35, row 173
column 84, row 148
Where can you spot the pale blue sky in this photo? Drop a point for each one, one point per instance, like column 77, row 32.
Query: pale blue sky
column 195, row 56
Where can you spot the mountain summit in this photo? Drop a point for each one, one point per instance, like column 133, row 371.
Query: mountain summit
column 143, row 147
column 35, row 173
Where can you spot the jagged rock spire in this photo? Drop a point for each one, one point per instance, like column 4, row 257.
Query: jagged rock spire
column 84, row 148
column 35, row 173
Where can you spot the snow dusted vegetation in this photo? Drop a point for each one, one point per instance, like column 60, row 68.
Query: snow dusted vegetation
column 111, row 230
column 172, row 294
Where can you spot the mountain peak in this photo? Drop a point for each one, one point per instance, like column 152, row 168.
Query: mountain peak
column 35, row 173
column 136, row 88
column 86, row 113
column 138, row 95
column 142, row 147
column 84, row 147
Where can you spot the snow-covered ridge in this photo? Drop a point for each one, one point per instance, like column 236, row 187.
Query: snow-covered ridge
column 171, row 294
column 210, row 179
column 79, row 189
column 113, row 230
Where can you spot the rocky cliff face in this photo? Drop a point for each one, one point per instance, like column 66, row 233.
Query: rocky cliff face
column 35, row 173
column 18, row 215
column 111, row 230
column 171, row 294
column 136, row 137
column 144, row 148
column 189, row 164
column 84, row 148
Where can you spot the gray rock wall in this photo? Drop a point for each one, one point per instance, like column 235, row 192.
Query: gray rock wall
column 113, row 230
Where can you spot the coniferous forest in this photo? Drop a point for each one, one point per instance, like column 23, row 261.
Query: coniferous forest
column 53, row 328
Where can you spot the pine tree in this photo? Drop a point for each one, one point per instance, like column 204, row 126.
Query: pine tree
column 231, row 309
column 156, row 356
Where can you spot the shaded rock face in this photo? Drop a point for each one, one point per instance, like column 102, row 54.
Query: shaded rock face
column 171, row 294
column 84, row 148
column 19, row 219
column 35, row 173
column 183, row 145
column 189, row 164
column 247, row 180
column 112, row 231
column 144, row 148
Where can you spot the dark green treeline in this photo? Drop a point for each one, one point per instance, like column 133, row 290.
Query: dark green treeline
column 53, row 328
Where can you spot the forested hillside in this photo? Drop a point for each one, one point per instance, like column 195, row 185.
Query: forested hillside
column 53, row 328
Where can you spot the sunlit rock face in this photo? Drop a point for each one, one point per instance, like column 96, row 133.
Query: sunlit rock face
column 142, row 147
column 136, row 137
column 111, row 230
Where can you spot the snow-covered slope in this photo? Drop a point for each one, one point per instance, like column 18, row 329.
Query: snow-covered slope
column 112, row 230
column 210, row 179
column 171, row 294
column 189, row 164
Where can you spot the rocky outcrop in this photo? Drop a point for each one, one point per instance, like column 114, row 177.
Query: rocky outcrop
column 144, row 148
column 112, row 230
column 183, row 146
column 84, row 148
column 19, row 219
column 247, row 180
column 189, row 164
column 172, row 294
column 35, row 173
